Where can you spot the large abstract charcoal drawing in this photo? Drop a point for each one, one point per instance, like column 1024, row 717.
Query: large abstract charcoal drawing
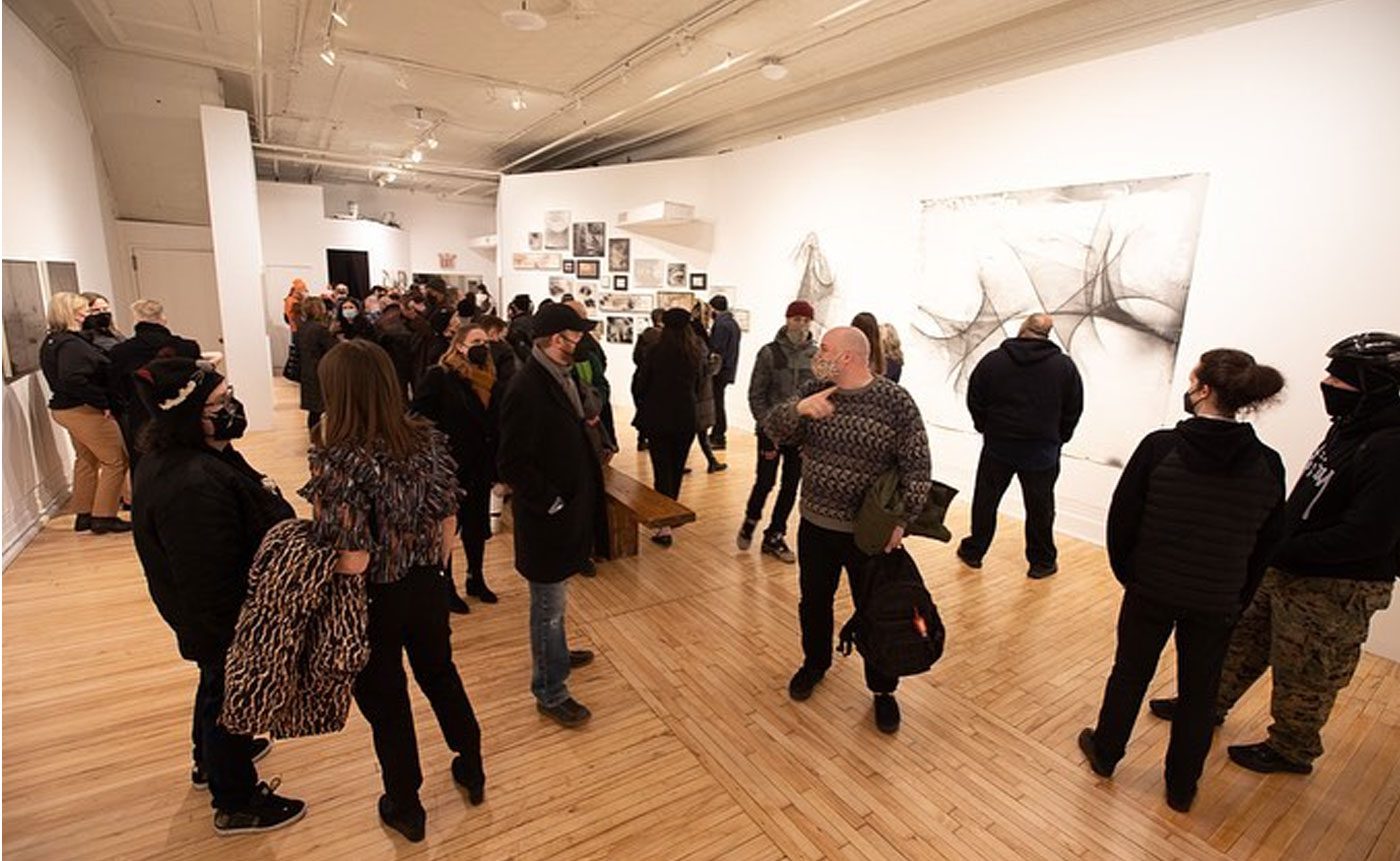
column 1111, row 261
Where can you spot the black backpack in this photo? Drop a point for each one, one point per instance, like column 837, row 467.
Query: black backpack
column 895, row 627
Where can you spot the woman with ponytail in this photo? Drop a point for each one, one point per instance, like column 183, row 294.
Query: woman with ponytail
column 1194, row 518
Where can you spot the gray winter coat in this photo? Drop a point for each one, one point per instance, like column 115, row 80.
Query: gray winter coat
column 705, row 401
column 779, row 370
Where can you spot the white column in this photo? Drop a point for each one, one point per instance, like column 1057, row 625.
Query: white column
column 233, row 220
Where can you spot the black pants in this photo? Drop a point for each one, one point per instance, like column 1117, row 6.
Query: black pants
column 702, row 437
column 313, row 418
column 821, row 554
column 411, row 616
column 226, row 758
column 1037, row 490
column 474, row 525
column 1201, row 641
column 721, row 425
column 769, row 457
column 668, row 453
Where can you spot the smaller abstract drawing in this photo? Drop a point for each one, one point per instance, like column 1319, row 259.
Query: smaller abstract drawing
column 619, row 282
column 619, row 254
column 536, row 241
column 556, row 229
column 619, row 329
column 698, row 280
column 588, row 268
column 589, row 239
column 675, row 276
column 649, row 273
column 569, row 266
column 671, row 299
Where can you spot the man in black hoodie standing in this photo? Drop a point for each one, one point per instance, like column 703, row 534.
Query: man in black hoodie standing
column 152, row 340
column 1025, row 398
column 1335, row 569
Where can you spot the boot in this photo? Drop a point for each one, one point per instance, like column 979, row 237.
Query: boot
column 477, row 588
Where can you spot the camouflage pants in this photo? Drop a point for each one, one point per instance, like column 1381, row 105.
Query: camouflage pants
column 1310, row 630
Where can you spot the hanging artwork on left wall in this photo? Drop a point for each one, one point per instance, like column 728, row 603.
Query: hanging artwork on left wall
column 25, row 320
column 556, row 229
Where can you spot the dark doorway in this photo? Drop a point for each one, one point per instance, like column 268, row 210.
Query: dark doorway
column 350, row 268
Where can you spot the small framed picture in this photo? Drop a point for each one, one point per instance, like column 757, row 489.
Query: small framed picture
column 536, row 241
column 675, row 276
column 587, row 268
column 619, row 282
column 568, row 267
column 698, row 281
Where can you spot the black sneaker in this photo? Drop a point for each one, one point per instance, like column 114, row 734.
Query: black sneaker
column 1040, row 572
column 477, row 588
column 471, row 779
column 570, row 713
column 745, row 539
column 1265, row 760
column 1180, row 801
column 411, row 822
column 1091, row 753
column 82, row 523
column 775, row 546
column 261, row 747
column 579, row 658
column 886, row 713
column 1166, row 710
column 717, row 466
column 968, row 559
column 267, row 811
column 802, row 682
column 104, row 525
column 457, row 604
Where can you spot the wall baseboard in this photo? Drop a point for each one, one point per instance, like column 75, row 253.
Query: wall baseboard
column 15, row 544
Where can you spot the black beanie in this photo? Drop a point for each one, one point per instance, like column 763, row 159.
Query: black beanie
column 675, row 317
column 174, row 386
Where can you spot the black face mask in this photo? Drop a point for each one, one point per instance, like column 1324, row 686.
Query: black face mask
column 1339, row 403
column 98, row 321
column 478, row 354
column 1187, row 404
column 230, row 422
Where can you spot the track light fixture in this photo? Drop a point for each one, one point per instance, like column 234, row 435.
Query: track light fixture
column 431, row 142
column 340, row 13
column 328, row 54
column 415, row 155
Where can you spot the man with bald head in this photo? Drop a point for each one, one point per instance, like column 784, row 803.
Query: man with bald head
column 853, row 427
column 1025, row 398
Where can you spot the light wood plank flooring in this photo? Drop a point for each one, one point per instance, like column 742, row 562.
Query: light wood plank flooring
column 695, row 750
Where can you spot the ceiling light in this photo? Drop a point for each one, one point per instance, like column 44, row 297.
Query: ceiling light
column 523, row 19
column 772, row 69
column 684, row 42
column 415, row 155
column 339, row 14
column 390, row 176
column 432, row 142
column 517, row 101
column 328, row 55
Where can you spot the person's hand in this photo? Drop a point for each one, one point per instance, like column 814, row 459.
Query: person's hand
column 818, row 406
column 352, row 562
column 896, row 539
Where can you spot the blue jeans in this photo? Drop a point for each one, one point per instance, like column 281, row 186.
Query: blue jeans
column 548, row 646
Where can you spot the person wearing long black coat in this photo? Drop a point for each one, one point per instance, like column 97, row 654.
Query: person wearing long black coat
column 151, row 340
column 556, row 481
column 461, row 395
column 314, row 341
column 666, row 388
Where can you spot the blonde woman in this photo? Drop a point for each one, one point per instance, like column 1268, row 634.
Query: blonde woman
column 77, row 374
column 894, row 353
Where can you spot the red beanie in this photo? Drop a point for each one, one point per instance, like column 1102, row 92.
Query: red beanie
column 800, row 308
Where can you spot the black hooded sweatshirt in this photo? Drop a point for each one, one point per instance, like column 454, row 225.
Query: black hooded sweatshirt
column 1196, row 515
column 1344, row 512
column 1026, row 389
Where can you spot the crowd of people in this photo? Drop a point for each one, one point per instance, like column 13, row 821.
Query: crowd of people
column 422, row 405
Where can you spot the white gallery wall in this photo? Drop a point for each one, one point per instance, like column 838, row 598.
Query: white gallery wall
column 55, row 208
column 1294, row 118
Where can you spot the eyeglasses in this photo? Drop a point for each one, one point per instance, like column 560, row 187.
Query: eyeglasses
column 212, row 409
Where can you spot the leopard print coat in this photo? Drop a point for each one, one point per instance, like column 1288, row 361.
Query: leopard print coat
column 301, row 640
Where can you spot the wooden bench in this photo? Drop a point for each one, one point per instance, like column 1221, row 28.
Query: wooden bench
column 632, row 504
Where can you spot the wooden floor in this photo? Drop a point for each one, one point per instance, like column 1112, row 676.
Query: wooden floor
column 695, row 750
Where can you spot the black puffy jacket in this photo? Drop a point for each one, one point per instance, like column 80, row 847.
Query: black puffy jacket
column 1026, row 389
column 76, row 371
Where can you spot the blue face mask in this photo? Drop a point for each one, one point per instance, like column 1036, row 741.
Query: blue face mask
column 351, row 313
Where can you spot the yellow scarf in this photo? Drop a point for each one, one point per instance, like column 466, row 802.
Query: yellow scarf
column 482, row 379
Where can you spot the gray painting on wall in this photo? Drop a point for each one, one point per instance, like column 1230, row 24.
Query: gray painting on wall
column 816, row 285
column 1111, row 261
column 25, row 322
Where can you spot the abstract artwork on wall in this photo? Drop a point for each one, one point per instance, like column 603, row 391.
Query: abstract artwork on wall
column 635, row 303
column 675, row 275
column 569, row 266
column 741, row 317
column 541, row 260
column 556, row 229
column 699, row 280
column 63, row 276
column 25, row 320
column 587, row 268
column 619, row 330
column 588, row 239
column 670, row 299
column 619, row 254
column 536, row 240
column 619, row 282
column 1112, row 262
column 817, row 284
column 648, row 272
column 559, row 285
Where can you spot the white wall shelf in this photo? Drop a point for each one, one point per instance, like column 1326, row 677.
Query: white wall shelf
column 483, row 243
column 663, row 213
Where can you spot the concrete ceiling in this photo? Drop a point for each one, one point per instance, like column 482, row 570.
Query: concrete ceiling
column 606, row 81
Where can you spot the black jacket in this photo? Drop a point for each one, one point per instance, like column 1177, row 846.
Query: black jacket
column 1344, row 512
column 666, row 388
column 1026, row 389
column 473, row 430
column 520, row 334
column 396, row 339
column 149, row 342
column 198, row 518
column 1196, row 515
column 724, row 340
column 545, row 454
column 76, row 371
column 507, row 363
column 314, row 341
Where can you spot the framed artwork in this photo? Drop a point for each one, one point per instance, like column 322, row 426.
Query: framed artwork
column 559, row 285
column 649, row 273
column 588, row 238
column 537, row 260
column 675, row 276
column 671, row 299
column 698, row 280
column 741, row 316
column 619, row 282
column 584, row 291
column 568, row 267
column 618, row 329
column 556, row 229
column 631, row 303
column 619, row 254
column 536, row 241
column 26, row 323
column 588, row 268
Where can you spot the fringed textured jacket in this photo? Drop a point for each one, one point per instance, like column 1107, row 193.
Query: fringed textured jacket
column 301, row 640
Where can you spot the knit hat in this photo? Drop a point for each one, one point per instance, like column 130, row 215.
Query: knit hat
column 171, row 386
column 555, row 318
column 675, row 317
column 800, row 308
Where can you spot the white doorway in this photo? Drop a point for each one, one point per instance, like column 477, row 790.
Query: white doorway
column 185, row 283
